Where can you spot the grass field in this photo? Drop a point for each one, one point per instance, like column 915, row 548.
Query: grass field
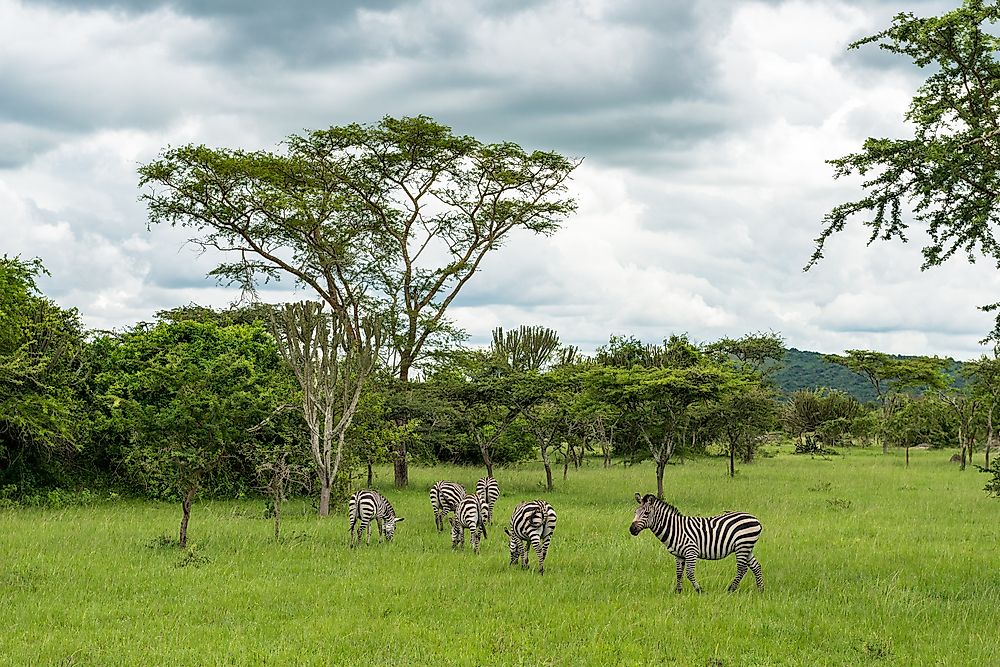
column 865, row 562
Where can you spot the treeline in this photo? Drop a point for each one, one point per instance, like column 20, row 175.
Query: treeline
column 233, row 402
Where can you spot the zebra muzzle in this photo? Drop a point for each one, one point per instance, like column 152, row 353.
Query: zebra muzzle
column 634, row 528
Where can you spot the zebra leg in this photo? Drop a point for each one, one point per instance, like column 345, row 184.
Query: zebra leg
column 438, row 521
column 545, row 552
column 741, row 568
column 474, row 538
column 757, row 574
column 353, row 522
column 537, row 544
column 680, row 575
column 689, row 561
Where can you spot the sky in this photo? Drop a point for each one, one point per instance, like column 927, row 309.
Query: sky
column 703, row 126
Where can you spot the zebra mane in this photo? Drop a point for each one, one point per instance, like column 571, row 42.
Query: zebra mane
column 650, row 498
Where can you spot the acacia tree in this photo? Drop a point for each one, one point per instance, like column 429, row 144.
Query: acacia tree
column 744, row 416
column 948, row 172
column 668, row 403
column 393, row 217
column 889, row 375
column 331, row 368
column 984, row 375
column 965, row 406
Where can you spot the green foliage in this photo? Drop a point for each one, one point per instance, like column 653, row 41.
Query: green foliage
column 950, row 169
column 992, row 487
column 923, row 420
column 947, row 174
column 41, row 379
column 184, row 396
column 393, row 217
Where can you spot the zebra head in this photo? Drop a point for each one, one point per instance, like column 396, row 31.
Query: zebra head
column 641, row 520
column 390, row 527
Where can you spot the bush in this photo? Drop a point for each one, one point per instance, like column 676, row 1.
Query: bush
column 992, row 487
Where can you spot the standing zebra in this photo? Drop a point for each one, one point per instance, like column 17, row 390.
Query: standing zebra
column 469, row 514
column 488, row 490
column 445, row 496
column 689, row 538
column 532, row 522
column 366, row 505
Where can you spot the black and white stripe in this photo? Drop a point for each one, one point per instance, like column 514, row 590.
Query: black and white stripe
column 689, row 538
column 366, row 505
column 445, row 496
column 469, row 515
column 533, row 523
column 488, row 490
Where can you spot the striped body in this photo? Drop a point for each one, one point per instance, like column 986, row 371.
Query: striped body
column 469, row 515
column 532, row 523
column 488, row 491
column 366, row 505
column 445, row 496
column 689, row 538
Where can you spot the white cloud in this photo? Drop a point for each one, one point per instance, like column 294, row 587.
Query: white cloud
column 702, row 192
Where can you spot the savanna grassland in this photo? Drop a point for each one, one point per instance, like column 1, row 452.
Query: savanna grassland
column 866, row 562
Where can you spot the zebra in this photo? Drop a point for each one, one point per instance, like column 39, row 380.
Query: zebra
column 488, row 489
column 689, row 538
column 366, row 505
column 469, row 514
column 445, row 496
column 532, row 522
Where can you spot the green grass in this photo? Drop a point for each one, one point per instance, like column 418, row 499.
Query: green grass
column 865, row 562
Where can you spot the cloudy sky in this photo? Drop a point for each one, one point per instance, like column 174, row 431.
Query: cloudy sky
column 703, row 124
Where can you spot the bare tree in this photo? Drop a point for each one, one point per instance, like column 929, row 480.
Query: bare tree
column 331, row 367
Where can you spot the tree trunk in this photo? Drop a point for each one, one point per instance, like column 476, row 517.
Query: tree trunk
column 484, row 450
column 548, row 469
column 324, row 495
column 369, row 474
column 660, row 467
column 566, row 462
column 607, row 456
column 186, row 516
column 907, row 455
column 401, row 469
column 732, row 459
column 277, row 516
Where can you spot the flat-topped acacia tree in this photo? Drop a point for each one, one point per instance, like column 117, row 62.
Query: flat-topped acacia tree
column 392, row 218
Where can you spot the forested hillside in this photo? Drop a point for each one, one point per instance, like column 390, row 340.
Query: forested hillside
column 801, row 369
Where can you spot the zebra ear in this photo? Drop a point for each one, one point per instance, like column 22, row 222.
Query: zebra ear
column 638, row 498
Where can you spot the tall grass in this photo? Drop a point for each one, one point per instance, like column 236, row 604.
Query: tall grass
column 866, row 562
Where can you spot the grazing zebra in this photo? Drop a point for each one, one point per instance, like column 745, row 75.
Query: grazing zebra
column 488, row 490
column 366, row 505
column 532, row 522
column 469, row 514
column 689, row 538
column 445, row 496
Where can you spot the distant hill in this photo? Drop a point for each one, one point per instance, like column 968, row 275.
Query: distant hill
column 801, row 369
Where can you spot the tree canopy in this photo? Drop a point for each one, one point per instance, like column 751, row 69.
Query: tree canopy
column 948, row 173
